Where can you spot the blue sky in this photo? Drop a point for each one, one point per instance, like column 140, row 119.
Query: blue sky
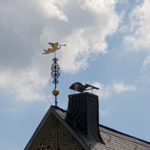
column 107, row 46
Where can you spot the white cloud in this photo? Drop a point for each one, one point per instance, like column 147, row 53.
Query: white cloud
column 26, row 28
column 121, row 87
column 146, row 62
column 86, row 32
column 53, row 9
column 139, row 27
column 104, row 91
column 117, row 87
column 144, row 77
column 95, row 5
column 73, row 58
column 26, row 85
column 138, row 36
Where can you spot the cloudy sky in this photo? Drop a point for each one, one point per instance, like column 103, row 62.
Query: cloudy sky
column 108, row 45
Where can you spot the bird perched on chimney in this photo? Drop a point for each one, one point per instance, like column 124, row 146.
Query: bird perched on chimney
column 79, row 87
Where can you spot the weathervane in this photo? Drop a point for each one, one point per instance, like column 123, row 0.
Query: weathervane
column 55, row 68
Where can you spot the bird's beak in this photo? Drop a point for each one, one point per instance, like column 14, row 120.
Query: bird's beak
column 63, row 45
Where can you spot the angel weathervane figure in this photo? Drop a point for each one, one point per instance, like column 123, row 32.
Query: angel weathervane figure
column 55, row 68
column 54, row 47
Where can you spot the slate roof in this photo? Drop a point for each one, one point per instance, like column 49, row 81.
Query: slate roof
column 113, row 140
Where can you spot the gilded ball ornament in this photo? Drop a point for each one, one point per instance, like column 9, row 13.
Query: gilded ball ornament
column 55, row 92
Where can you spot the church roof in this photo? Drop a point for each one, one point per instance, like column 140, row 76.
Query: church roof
column 112, row 139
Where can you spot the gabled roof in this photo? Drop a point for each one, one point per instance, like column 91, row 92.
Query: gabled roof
column 113, row 140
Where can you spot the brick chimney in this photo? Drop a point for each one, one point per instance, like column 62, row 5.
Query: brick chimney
column 83, row 114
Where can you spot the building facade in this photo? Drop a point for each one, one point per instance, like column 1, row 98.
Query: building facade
column 78, row 129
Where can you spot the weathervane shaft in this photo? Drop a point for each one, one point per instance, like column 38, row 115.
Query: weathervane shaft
column 55, row 68
column 55, row 73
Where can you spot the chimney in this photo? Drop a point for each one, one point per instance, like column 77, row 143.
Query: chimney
column 83, row 114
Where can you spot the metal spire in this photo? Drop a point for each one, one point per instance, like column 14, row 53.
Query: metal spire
column 55, row 68
column 55, row 73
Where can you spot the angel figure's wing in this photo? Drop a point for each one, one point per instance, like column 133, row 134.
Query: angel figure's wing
column 51, row 44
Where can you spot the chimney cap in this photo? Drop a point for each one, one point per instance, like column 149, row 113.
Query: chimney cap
column 79, row 87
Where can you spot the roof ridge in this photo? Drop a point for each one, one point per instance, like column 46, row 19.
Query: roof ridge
column 59, row 108
column 119, row 132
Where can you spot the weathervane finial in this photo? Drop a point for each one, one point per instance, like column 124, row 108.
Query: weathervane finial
column 54, row 47
column 55, row 68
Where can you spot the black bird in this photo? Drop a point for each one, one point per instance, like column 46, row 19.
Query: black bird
column 79, row 87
